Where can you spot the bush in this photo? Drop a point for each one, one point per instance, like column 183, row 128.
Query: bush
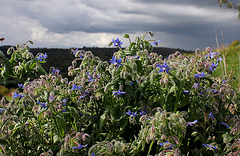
column 136, row 104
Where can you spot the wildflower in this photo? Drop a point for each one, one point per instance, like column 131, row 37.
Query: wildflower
column 186, row 92
column 131, row 114
column 42, row 104
column 211, row 54
column 79, row 146
column 224, row 124
column 170, row 147
column 51, row 97
column 20, row 85
column 209, row 146
column 142, row 112
column 64, row 101
column 117, row 42
column 1, row 110
column 200, row 75
column 213, row 67
column 219, row 59
column 191, row 123
column 215, row 91
column 74, row 51
column 41, row 57
column 156, row 42
column 81, row 97
column 84, row 95
column 55, row 71
column 15, row 95
column 195, row 85
column 116, row 62
column 76, row 88
column 119, row 92
column 93, row 154
column 45, row 56
column 91, row 77
column 164, row 68
column 211, row 115
column 137, row 57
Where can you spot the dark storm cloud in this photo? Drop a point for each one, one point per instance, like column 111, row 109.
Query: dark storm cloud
column 179, row 22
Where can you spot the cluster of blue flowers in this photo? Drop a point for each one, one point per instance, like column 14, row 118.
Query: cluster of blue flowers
column 41, row 57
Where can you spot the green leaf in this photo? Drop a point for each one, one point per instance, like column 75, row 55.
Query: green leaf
column 60, row 124
column 139, row 66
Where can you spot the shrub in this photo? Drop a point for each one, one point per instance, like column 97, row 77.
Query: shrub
column 136, row 104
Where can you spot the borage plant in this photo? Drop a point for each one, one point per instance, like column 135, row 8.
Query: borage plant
column 138, row 103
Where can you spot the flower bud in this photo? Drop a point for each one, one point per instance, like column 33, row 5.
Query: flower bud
column 106, row 88
column 134, row 66
column 74, row 63
column 152, row 136
column 163, row 137
column 110, row 148
column 126, row 35
column 3, row 101
column 152, row 130
column 194, row 134
column 148, row 139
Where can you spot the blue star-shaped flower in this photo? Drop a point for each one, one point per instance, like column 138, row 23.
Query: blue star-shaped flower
column 186, row 92
column 211, row 115
column 213, row 66
column 192, row 123
column 142, row 112
column 119, row 92
column 42, row 104
column 41, row 57
column 90, row 77
column 201, row 75
column 64, row 101
column 156, row 42
column 224, row 124
column 211, row 54
column 209, row 146
column 116, row 62
column 15, row 95
column 117, row 42
column 55, row 71
column 20, row 85
column 170, row 147
column 74, row 51
column 76, row 88
column 79, row 146
column 163, row 68
column 131, row 114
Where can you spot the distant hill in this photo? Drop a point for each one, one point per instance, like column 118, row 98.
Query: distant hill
column 62, row 58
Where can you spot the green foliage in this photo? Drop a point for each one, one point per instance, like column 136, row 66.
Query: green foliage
column 231, row 4
column 231, row 54
column 22, row 65
column 136, row 104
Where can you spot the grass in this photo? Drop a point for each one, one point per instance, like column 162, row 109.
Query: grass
column 231, row 54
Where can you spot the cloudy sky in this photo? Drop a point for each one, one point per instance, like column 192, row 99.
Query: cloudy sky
column 186, row 24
